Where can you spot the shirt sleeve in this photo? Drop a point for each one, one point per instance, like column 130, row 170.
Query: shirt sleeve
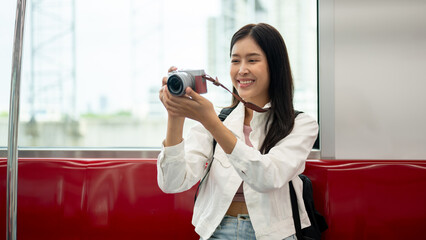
column 267, row 172
column 181, row 166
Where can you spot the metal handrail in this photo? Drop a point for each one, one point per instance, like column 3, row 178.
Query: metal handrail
column 12, row 148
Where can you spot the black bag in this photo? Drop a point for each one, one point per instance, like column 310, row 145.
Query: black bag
column 318, row 223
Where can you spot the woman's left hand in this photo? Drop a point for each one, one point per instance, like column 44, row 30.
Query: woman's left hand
column 192, row 105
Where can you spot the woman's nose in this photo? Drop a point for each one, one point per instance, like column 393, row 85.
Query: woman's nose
column 243, row 69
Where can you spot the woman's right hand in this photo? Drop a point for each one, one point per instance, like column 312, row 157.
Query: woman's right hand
column 164, row 93
column 174, row 123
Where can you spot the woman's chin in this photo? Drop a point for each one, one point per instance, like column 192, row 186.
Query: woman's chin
column 244, row 93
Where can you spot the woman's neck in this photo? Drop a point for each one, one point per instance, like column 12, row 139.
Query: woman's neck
column 248, row 116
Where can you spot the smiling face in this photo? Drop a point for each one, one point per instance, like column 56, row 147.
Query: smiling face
column 250, row 71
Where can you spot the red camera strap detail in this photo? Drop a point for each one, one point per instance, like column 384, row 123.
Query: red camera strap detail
column 246, row 104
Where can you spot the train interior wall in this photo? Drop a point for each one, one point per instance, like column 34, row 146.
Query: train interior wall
column 379, row 73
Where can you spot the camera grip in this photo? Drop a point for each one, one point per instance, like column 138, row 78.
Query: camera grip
column 200, row 84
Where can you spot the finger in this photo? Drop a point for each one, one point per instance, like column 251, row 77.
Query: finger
column 193, row 94
column 183, row 106
column 177, row 103
column 171, row 103
column 168, row 99
column 161, row 93
column 171, row 110
column 171, row 100
column 164, row 81
column 172, row 68
column 175, row 110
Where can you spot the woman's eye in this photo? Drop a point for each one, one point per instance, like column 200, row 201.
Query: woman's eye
column 234, row 61
column 253, row 60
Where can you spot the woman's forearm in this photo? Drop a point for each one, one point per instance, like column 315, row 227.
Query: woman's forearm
column 223, row 136
column 174, row 131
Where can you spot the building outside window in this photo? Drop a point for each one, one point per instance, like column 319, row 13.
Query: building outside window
column 92, row 69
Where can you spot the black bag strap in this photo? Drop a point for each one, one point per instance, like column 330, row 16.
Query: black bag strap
column 222, row 116
column 294, row 205
column 295, row 211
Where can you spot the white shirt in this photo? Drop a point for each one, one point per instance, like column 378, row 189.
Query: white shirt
column 265, row 176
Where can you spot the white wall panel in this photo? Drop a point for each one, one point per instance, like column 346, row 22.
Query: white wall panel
column 379, row 79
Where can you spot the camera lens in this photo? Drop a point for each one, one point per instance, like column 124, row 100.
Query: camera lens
column 179, row 81
column 175, row 85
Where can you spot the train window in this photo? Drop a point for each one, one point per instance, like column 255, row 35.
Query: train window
column 7, row 19
column 92, row 69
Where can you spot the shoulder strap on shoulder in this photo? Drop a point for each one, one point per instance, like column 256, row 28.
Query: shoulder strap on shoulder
column 225, row 112
column 222, row 116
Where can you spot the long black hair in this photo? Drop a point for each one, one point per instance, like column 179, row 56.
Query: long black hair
column 281, row 114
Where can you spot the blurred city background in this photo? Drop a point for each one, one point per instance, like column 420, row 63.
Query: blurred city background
column 92, row 69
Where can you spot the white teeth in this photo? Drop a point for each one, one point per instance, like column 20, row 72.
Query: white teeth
column 246, row 82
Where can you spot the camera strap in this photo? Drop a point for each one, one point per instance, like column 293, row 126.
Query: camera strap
column 246, row 104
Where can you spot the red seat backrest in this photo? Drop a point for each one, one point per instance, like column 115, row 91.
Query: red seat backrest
column 115, row 199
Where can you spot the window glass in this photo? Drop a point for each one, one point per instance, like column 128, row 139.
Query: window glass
column 92, row 69
column 7, row 24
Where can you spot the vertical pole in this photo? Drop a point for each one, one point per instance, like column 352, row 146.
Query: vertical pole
column 12, row 149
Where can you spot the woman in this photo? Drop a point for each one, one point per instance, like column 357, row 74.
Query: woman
column 246, row 194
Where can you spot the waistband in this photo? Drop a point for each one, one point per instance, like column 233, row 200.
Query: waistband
column 239, row 217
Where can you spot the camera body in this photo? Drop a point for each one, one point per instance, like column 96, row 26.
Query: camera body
column 179, row 80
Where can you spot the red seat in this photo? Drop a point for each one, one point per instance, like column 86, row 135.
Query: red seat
column 370, row 199
column 96, row 199
column 120, row 199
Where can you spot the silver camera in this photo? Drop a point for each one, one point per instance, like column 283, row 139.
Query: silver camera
column 179, row 80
